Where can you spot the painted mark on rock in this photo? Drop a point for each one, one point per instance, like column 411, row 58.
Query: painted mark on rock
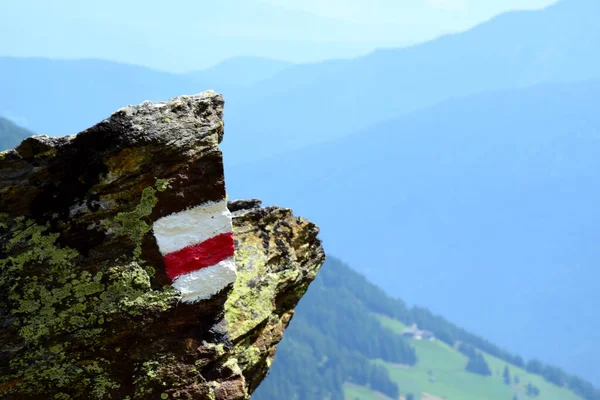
column 198, row 248
column 201, row 255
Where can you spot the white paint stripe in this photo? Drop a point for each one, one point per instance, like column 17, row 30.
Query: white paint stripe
column 206, row 282
column 186, row 228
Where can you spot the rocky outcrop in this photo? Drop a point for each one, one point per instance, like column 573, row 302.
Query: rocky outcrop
column 92, row 300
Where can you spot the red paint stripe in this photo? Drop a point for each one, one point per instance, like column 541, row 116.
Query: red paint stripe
column 201, row 255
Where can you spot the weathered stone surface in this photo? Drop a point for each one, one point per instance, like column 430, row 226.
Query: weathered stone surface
column 86, row 308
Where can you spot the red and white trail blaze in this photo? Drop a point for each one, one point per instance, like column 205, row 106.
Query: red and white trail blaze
column 198, row 248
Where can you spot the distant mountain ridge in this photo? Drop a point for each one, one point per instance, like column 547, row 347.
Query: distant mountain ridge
column 314, row 103
column 60, row 97
column 287, row 107
column 482, row 208
column 190, row 36
column 240, row 71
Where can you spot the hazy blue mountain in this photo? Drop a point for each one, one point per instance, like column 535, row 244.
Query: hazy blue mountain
column 313, row 103
column 11, row 134
column 191, row 35
column 58, row 97
column 484, row 209
column 63, row 97
column 240, row 71
column 186, row 36
column 398, row 17
column 310, row 103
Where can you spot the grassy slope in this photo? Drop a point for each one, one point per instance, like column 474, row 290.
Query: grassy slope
column 390, row 323
column 354, row 392
column 451, row 380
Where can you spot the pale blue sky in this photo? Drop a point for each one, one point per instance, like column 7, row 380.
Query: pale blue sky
column 183, row 35
column 378, row 11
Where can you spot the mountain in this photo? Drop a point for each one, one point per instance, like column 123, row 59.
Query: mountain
column 194, row 35
column 448, row 15
column 318, row 102
column 58, row 97
column 335, row 352
column 311, row 103
column 185, row 37
column 240, row 71
column 11, row 134
column 484, row 209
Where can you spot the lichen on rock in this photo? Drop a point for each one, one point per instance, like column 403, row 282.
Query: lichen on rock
column 87, row 310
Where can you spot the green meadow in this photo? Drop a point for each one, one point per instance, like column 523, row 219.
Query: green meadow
column 440, row 374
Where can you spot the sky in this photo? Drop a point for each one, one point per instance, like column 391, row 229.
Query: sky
column 187, row 35
column 387, row 11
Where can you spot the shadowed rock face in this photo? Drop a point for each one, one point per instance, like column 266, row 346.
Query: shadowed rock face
column 86, row 307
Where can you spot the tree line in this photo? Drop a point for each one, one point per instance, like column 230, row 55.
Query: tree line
column 332, row 340
column 378, row 301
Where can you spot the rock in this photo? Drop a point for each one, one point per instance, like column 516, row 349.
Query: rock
column 116, row 280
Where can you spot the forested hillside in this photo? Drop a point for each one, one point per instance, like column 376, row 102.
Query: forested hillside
column 344, row 340
column 332, row 340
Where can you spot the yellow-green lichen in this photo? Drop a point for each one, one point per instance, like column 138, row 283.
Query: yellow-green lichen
column 248, row 353
column 251, row 300
column 60, row 310
column 164, row 375
column 133, row 223
column 212, row 387
column 125, row 163
column 232, row 364
column 146, row 375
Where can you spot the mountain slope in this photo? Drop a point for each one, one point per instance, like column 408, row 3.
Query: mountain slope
column 483, row 209
column 322, row 353
column 185, row 37
column 311, row 103
column 64, row 97
column 439, row 369
column 318, row 102
column 58, row 97
column 11, row 134
column 240, row 71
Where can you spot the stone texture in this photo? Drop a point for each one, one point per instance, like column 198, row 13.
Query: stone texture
column 86, row 309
